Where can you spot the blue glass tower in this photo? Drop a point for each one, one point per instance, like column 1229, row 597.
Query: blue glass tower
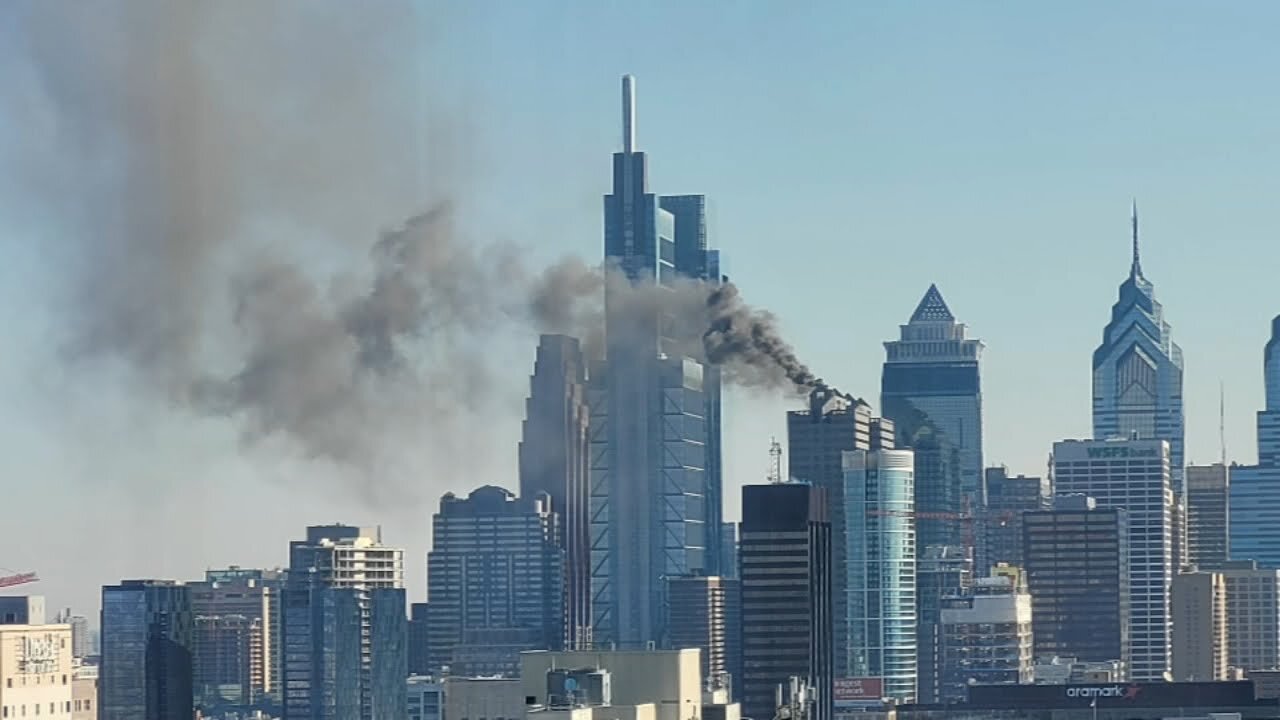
column 1137, row 370
column 931, row 387
column 1255, row 489
column 879, row 508
column 147, row 637
column 655, row 413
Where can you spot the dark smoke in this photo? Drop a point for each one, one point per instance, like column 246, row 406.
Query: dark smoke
column 213, row 165
column 747, row 341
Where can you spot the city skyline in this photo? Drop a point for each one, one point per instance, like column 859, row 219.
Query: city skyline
column 1194, row 236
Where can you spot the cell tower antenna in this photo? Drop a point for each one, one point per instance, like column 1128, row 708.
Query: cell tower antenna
column 775, row 460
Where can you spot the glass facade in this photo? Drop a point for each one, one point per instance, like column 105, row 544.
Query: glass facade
column 495, row 565
column 1255, row 489
column 785, row 556
column 931, row 388
column 881, row 569
column 147, row 637
column 655, row 413
column 1077, row 566
column 1134, row 475
column 322, row 653
column 1137, row 371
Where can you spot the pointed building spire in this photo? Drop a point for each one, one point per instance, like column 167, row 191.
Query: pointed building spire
column 628, row 114
column 932, row 308
column 1136, row 269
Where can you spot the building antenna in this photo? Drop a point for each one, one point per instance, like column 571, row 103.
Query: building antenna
column 775, row 461
column 1222, row 420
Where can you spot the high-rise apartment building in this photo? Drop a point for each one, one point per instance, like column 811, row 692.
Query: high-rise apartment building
column 1199, row 606
column 554, row 460
column 1208, row 521
column 999, row 524
column 932, row 377
column 147, row 638
column 1253, row 616
column 986, row 637
column 426, row 698
column 235, row 620
column 1255, row 489
column 655, row 411
column 495, row 565
column 1137, row 370
column 817, row 439
column 941, row 571
column 353, row 560
column 344, row 653
column 880, row 557
column 36, row 666
column 1076, row 558
column 1135, row 475
column 703, row 616
column 785, row 556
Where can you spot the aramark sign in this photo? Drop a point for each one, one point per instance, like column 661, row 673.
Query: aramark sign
column 1127, row 692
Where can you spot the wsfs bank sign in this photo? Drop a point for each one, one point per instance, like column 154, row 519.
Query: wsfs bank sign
column 1120, row 451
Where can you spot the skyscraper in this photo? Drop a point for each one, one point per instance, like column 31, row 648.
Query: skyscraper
column 1208, row 521
column 495, row 565
column 1135, row 475
column 1077, row 564
column 986, row 637
column 234, row 661
column 785, row 558
column 1137, row 370
column 701, row 609
column 419, row 639
column 554, row 460
column 932, row 378
column 817, row 439
column 1253, row 615
column 344, row 652
column 655, row 472
column 1199, row 606
column 351, row 559
column 880, row 575
column 941, row 571
column 1255, row 489
column 999, row 525
column 147, row 642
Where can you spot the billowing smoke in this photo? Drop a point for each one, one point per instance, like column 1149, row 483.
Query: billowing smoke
column 213, row 166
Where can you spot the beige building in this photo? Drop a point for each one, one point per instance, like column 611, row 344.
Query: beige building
column 35, row 671
column 671, row 680
column 1253, row 616
column 1199, row 608
column 84, row 692
column 483, row 699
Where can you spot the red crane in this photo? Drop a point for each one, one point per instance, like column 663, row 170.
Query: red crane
column 18, row 579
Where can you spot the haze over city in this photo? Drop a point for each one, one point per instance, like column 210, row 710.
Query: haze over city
column 852, row 155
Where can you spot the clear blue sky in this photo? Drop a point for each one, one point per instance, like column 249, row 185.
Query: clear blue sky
column 856, row 152
column 853, row 152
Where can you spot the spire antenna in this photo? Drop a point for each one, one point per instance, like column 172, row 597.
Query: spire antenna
column 628, row 113
column 1136, row 269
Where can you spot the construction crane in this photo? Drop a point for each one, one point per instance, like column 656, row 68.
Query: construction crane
column 7, row 581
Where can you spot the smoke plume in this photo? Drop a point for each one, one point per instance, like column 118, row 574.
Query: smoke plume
column 214, row 165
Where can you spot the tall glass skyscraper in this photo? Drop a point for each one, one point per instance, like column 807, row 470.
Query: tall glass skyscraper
column 147, row 638
column 880, row 560
column 1255, row 489
column 932, row 380
column 655, row 413
column 1137, row 370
